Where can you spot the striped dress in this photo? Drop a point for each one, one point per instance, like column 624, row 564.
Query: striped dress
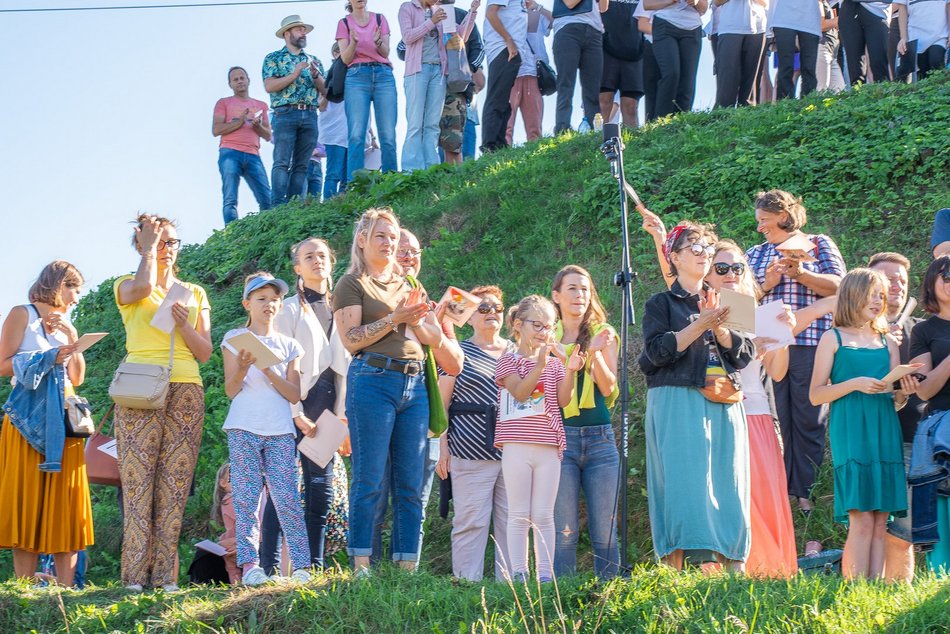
column 546, row 428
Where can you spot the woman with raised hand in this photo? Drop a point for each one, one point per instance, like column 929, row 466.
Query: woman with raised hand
column 158, row 448
column 363, row 37
column 591, row 461
column 383, row 324
column 42, row 473
column 697, row 439
column 467, row 450
column 798, row 283
column 308, row 318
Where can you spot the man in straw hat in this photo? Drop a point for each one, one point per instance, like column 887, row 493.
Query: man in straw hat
column 293, row 78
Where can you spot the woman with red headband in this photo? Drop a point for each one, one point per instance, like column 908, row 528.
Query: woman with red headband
column 697, row 440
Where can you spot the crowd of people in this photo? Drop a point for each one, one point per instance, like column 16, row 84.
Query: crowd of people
column 621, row 50
column 734, row 425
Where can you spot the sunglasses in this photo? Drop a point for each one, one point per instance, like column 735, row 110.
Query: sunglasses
column 487, row 309
column 539, row 326
column 721, row 268
column 698, row 248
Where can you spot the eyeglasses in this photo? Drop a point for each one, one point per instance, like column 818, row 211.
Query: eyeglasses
column 171, row 245
column 539, row 326
column 698, row 248
column 722, row 268
column 409, row 253
column 487, row 309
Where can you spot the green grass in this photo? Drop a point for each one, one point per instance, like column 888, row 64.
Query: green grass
column 652, row 600
column 872, row 165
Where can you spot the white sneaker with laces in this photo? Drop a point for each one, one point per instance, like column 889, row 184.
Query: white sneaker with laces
column 255, row 577
column 134, row 587
column 171, row 588
column 301, row 575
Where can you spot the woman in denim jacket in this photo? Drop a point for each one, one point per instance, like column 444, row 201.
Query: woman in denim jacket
column 42, row 474
column 697, row 450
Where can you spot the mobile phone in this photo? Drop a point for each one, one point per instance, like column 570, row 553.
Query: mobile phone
column 916, row 375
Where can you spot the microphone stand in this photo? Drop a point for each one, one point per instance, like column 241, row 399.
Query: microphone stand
column 612, row 149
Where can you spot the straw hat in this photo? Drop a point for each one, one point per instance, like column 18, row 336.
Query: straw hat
column 290, row 22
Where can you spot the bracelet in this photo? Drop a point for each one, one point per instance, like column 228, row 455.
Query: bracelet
column 392, row 322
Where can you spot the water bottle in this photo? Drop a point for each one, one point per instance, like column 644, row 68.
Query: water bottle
column 598, row 122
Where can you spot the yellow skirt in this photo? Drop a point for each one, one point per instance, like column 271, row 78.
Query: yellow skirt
column 43, row 512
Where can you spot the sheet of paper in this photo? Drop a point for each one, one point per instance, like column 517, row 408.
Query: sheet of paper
column 767, row 324
column 212, row 547
column 798, row 247
column 110, row 449
column 88, row 340
column 459, row 305
column 163, row 319
column 448, row 24
column 248, row 341
column 741, row 315
column 901, row 371
column 331, row 432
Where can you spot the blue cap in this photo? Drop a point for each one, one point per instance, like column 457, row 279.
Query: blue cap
column 265, row 280
column 941, row 230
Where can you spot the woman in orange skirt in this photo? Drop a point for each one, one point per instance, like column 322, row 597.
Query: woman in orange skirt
column 46, row 510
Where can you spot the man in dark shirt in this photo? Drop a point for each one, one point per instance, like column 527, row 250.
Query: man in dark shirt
column 898, row 549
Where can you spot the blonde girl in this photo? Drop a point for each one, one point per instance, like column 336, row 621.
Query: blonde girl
column 530, row 430
column 866, row 445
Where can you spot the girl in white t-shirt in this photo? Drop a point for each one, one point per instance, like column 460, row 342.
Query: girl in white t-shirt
column 925, row 29
column 260, row 429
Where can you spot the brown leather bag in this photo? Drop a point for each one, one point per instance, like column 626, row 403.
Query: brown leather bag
column 101, row 468
column 719, row 388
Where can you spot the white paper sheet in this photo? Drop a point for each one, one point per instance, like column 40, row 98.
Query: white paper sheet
column 212, row 547
column 110, row 449
column 163, row 319
column 767, row 324
column 331, row 432
column 88, row 340
column 248, row 341
column 741, row 314
column 448, row 24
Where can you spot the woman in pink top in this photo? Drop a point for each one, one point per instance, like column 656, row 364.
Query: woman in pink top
column 363, row 37
column 421, row 23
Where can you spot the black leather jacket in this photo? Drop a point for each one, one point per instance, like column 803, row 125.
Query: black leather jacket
column 666, row 314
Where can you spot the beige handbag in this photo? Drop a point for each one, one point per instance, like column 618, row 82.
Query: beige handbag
column 142, row 385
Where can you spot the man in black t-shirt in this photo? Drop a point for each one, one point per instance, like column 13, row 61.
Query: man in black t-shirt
column 898, row 549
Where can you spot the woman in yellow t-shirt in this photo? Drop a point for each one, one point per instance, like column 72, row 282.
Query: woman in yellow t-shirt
column 158, row 448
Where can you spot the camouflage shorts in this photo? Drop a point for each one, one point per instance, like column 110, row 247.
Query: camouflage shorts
column 452, row 123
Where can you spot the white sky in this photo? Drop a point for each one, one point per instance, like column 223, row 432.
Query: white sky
column 109, row 112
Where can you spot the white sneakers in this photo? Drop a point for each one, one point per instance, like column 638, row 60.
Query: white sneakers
column 255, row 577
column 134, row 587
column 301, row 575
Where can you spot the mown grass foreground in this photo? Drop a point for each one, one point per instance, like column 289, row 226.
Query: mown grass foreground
column 654, row 599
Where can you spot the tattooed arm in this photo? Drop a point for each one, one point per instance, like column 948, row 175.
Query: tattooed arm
column 357, row 336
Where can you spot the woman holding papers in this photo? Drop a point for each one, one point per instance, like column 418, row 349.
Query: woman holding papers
column 308, row 318
column 158, row 448
column 262, row 378
column 797, row 269
column 697, row 440
column 46, row 506
column 383, row 324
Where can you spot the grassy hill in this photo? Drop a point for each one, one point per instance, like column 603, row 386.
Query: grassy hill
column 872, row 165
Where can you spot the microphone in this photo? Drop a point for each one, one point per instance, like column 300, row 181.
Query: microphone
column 611, row 131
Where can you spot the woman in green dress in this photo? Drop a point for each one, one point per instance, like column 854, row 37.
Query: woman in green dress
column 866, row 446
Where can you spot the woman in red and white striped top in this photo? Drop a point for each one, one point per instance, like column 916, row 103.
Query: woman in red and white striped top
column 534, row 386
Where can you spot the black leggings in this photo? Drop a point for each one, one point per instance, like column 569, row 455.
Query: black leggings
column 860, row 29
column 785, row 44
column 677, row 56
column 737, row 68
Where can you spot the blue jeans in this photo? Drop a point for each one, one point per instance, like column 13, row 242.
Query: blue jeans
column 314, row 179
column 295, row 136
column 469, row 140
column 388, row 418
column 234, row 164
column 432, row 458
column 591, row 462
column 425, row 96
column 365, row 84
column 334, row 181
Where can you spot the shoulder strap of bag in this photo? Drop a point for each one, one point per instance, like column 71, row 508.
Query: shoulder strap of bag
column 105, row 417
column 379, row 21
column 171, row 351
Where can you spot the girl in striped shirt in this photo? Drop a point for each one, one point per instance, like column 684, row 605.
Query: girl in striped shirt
column 534, row 386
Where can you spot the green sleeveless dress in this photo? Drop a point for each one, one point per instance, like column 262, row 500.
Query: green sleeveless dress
column 865, row 435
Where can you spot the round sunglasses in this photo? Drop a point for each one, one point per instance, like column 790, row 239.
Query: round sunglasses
column 698, row 248
column 487, row 309
column 722, row 268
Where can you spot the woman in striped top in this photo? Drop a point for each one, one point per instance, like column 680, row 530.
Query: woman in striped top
column 467, row 450
column 530, row 430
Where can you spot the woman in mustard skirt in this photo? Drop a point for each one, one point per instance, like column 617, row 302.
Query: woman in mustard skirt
column 43, row 474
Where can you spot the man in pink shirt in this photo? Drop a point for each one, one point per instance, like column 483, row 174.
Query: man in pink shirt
column 241, row 122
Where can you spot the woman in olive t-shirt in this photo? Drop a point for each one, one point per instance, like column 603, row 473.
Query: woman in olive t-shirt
column 382, row 323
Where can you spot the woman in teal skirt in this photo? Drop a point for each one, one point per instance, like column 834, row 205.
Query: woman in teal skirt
column 697, row 449
column 866, row 444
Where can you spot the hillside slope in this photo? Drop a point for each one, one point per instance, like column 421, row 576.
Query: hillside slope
column 872, row 166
